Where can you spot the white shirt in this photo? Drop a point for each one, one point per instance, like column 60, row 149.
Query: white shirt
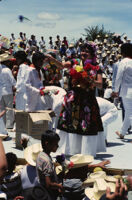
column 27, row 76
column 124, row 78
column 108, row 111
column 22, row 77
column 7, row 81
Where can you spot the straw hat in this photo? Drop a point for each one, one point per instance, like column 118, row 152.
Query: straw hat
column 80, row 160
column 3, row 136
column 31, row 153
column 3, row 195
column 100, row 183
column 71, row 45
column 99, row 189
column 104, row 55
column 98, row 175
column 5, row 56
column 99, row 52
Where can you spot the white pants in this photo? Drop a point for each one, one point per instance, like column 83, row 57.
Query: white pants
column 7, row 101
column 127, row 102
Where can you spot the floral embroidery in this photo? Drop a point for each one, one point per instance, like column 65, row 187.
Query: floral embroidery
column 80, row 113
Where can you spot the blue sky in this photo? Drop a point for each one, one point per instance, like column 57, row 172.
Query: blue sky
column 65, row 17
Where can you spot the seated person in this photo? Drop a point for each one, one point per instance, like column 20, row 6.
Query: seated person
column 45, row 167
column 11, row 183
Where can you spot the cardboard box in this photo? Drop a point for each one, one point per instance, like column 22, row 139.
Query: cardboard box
column 31, row 123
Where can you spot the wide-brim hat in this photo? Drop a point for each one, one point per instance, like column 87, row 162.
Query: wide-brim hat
column 104, row 55
column 99, row 52
column 98, row 175
column 80, row 160
column 31, row 153
column 96, row 195
column 3, row 136
column 71, row 45
column 99, row 188
column 59, row 169
column 5, row 57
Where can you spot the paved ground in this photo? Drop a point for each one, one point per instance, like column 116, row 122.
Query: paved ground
column 119, row 152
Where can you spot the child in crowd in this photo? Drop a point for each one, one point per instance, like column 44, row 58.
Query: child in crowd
column 45, row 166
column 11, row 183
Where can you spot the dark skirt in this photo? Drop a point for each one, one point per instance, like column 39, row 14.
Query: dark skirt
column 80, row 113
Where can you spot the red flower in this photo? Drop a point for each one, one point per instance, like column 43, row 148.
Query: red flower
column 57, row 92
column 74, row 74
column 84, row 74
column 70, row 165
column 60, row 114
column 41, row 92
column 88, row 66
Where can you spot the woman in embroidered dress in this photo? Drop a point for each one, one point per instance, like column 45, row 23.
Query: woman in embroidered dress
column 80, row 122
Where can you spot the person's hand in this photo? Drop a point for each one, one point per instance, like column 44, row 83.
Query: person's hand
column 19, row 197
column 61, row 188
column 24, row 142
column 120, row 191
column 2, row 113
column 104, row 163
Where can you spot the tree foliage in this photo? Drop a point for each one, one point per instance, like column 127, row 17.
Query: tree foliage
column 91, row 32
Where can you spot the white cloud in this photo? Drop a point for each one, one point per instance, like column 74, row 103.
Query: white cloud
column 48, row 16
column 46, row 25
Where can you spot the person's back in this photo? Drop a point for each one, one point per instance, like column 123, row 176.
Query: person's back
column 7, row 81
column 126, row 77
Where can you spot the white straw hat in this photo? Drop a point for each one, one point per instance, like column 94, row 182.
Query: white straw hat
column 31, row 153
column 80, row 160
column 5, row 57
column 98, row 175
column 99, row 188
column 3, row 136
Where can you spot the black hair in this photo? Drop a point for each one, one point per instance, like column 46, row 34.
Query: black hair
column 22, row 44
column 11, row 161
column 20, row 55
column 126, row 50
column 37, row 56
column 52, row 54
column 50, row 137
column 89, row 47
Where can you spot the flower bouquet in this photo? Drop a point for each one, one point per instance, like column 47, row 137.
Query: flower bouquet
column 84, row 75
column 65, row 164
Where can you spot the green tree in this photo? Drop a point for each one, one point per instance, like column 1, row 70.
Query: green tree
column 91, row 32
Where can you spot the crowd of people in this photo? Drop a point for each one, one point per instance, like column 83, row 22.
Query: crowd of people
column 84, row 84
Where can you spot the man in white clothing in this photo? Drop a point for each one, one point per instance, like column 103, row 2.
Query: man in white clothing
column 7, row 85
column 22, row 79
column 123, row 86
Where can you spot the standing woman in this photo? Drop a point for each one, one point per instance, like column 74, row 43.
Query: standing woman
column 123, row 86
column 80, row 121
